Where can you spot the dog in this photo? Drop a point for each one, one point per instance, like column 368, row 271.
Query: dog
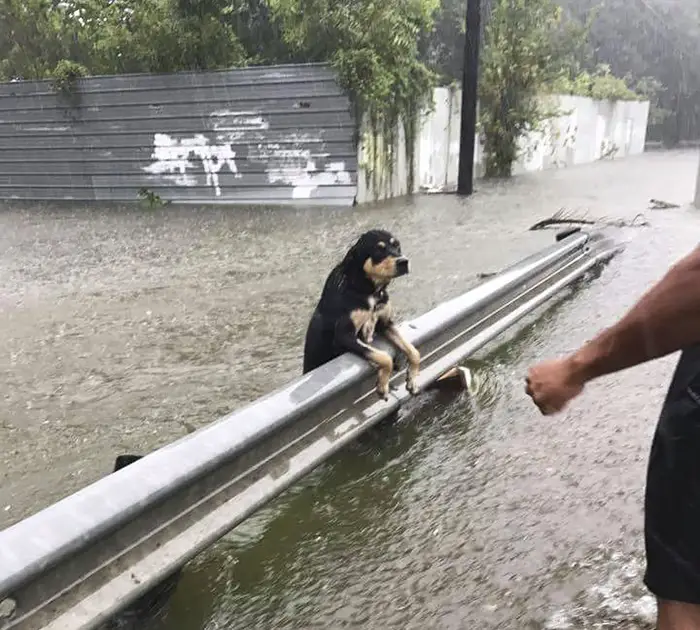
column 149, row 605
column 354, row 305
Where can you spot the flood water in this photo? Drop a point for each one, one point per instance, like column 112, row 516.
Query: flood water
column 124, row 329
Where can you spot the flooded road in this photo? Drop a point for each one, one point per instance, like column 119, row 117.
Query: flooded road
column 123, row 330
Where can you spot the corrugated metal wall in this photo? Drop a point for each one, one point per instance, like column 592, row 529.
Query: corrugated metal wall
column 272, row 135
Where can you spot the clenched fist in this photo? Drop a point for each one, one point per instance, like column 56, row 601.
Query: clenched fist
column 553, row 384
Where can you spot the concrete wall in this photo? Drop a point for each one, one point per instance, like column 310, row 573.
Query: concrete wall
column 587, row 131
column 270, row 135
column 265, row 135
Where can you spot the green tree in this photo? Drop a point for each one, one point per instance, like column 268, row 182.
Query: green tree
column 260, row 33
column 442, row 48
column 117, row 36
column 157, row 35
column 656, row 43
column 373, row 45
column 32, row 38
column 521, row 54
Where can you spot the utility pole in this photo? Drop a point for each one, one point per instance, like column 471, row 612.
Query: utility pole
column 470, row 73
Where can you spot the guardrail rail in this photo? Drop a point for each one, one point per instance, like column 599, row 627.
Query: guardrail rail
column 78, row 562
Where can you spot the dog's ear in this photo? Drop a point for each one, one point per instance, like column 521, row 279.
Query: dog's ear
column 122, row 461
column 352, row 258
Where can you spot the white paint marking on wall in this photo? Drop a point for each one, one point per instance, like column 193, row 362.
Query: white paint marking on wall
column 46, row 128
column 306, row 180
column 172, row 156
column 289, row 161
column 232, row 121
column 296, row 166
column 172, row 159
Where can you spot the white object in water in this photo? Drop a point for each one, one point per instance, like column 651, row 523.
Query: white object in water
column 462, row 375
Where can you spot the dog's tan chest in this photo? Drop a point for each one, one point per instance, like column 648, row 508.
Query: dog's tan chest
column 365, row 320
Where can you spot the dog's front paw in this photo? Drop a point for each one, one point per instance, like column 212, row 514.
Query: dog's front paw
column 412, row 372
column 411, row 385
column 383, row 384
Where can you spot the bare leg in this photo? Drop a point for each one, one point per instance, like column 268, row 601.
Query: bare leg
column 678, row 616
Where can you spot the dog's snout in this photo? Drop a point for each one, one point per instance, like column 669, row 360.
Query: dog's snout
column 401, row 266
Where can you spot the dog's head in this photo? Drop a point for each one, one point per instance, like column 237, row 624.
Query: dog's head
column 377, row 254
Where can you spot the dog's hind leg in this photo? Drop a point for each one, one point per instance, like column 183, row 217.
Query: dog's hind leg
column 346, row 338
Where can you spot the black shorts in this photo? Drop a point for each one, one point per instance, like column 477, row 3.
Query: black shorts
column 672, row 503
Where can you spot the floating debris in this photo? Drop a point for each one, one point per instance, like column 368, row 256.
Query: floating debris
column 657, row 204
column 561, row 218
column 564, row 218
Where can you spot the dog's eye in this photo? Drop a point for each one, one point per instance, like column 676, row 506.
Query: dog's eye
column 381, row 245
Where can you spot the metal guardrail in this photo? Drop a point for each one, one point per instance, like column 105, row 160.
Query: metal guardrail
column 78, row 562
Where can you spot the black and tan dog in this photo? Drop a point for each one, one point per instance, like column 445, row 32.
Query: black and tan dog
column 355, row 304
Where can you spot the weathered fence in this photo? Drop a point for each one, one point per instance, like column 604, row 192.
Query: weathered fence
column 268, row 135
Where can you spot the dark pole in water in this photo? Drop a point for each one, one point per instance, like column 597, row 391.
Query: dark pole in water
column 470, row 72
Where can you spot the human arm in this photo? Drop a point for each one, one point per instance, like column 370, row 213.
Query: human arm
column 664, row 320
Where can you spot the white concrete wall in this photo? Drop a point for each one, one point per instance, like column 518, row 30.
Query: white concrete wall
column 586, row 131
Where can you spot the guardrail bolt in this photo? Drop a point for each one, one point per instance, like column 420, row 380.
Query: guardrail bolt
column 7, row 608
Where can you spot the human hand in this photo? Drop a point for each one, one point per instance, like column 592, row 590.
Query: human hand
column 553, row 384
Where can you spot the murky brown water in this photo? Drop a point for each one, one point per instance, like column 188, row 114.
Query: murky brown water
column 123, row 330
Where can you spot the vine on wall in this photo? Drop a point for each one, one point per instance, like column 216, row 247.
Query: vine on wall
column 66, row 75
column 373, row 46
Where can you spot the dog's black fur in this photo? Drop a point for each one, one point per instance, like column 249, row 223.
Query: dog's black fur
column 154, row 601
column 354, row 304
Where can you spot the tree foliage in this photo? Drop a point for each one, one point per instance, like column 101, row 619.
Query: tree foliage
column 32, row 39
column 532, row 48
column 373, row 44
column 388, row 53
column 520, row 56
column 600, row 84
column 116, row 36
column 656, row 45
